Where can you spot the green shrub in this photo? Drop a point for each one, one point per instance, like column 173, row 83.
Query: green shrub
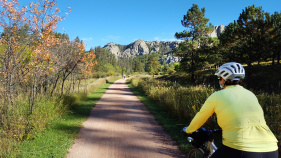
column 69, row 100
column 20, row 123
column 100, row 74
column 110, row 73
column 271, row 105
column 76, row 98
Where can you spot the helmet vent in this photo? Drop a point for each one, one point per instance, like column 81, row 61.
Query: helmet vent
column 234, row 68
column 226, row 74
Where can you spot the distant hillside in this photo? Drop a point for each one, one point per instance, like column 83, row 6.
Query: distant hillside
column 141, row 47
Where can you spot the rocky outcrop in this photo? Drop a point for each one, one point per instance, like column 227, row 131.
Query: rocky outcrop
column 169, row 58
column 114, row 49
column 141, row 47
column 137, row 48
column 218, row 29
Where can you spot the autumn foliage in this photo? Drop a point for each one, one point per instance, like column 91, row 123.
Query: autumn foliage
column 35, row 61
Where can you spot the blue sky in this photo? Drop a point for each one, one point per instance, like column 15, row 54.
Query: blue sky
column 98, row 22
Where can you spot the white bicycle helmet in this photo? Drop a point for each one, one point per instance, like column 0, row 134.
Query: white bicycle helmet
column 231, row 71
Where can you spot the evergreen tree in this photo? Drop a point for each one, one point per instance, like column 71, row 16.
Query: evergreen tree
column 253, row 34
column 195, row 37
column 153, row 64
column 276, row 19
column 138, row 67
column 250, row 38
column 77, row 40
column 229, row 43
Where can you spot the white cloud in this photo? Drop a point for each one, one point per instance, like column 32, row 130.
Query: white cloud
column 156, row 38
column 87, row 39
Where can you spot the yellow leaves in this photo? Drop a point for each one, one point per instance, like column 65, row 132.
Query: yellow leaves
column 34, row 10
column 193, row 107
column 48, row 56
column 42, row 53
column 88, row 63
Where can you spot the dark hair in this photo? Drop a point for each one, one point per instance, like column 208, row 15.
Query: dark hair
column 235, row 82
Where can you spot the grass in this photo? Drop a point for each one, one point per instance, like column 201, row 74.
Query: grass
column 58, row 137
column 169, row 123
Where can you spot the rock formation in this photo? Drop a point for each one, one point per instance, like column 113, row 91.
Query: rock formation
column 218, row 29
column 141, row 47
column 114, row 49
column 137, row 48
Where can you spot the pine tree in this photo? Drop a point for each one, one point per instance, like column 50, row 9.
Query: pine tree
column 153, row 64
column 195, row 35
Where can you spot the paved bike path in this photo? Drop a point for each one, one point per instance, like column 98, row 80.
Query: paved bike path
column 121, row 127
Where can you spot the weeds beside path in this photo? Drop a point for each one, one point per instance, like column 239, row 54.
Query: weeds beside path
column 60, row 134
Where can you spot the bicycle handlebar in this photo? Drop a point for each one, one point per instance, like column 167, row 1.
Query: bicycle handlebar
column 200, row 136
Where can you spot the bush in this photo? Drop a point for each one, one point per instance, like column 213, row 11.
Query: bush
column 100, row 74
column 271, row 105
column 110, row 73
column 19, row 123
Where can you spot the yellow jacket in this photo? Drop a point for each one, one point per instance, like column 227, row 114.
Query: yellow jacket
column 241, row 118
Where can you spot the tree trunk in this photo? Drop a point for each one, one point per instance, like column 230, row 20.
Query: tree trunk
column 78, row 85
column 273, row 57
column 73, row 84
column 55, row 85
column 62, row 85
column 192, row 78
column 192, row 67
column 249, row 75
column 32, row 95
column 278, row 58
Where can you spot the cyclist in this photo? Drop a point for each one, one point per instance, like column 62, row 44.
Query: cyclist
column 239, row 114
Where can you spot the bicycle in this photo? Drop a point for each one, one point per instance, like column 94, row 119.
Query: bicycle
column 203, row 142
